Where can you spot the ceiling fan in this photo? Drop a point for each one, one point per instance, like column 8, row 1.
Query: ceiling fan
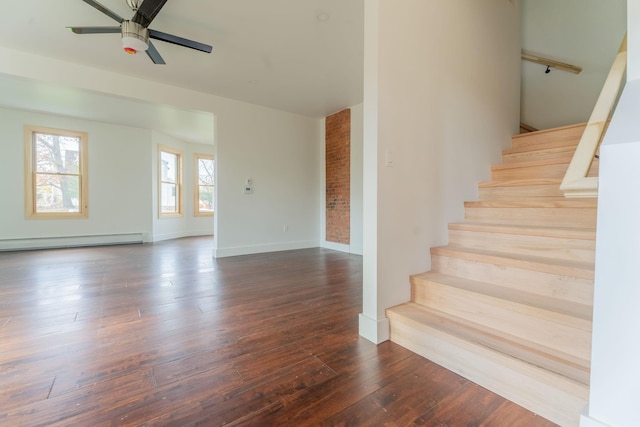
column 136, row 32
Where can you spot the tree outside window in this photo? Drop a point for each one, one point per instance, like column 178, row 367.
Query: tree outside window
column 205, row 168
column 56, row 173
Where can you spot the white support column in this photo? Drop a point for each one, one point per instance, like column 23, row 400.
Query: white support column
column 373, row 325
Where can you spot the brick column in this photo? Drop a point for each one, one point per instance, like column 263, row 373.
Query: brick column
column 338, row 179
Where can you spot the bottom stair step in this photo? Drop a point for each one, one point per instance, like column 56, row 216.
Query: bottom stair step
column 520, row 373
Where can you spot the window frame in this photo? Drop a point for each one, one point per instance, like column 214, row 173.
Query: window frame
column 196, row 183
column 30, row 173
column 178, row 183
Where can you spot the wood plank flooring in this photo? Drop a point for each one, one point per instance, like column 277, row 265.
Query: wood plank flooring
column 164, row 335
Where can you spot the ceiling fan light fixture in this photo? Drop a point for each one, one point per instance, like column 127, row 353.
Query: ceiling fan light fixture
column 134, row 4
column 135, row 37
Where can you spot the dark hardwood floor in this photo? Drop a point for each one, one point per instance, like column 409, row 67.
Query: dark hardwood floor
column 162, row 334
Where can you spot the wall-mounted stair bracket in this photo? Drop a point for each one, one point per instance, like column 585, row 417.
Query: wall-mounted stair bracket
column 550, row 63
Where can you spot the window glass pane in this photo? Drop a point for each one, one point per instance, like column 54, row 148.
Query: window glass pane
column 169, row 166
column 54, row 153
column 57, row 193
column 168, row 195
column 205, row 171
column 205, row 198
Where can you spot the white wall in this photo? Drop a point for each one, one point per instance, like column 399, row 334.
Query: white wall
column 615, row 373
column 119, row 184
column 441, row 95
column 586, row 33
column 278, row 150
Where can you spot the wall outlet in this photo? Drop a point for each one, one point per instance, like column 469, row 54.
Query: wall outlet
column 285, row 227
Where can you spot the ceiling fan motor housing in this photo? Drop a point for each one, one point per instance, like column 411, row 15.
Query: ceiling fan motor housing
column 135, row 37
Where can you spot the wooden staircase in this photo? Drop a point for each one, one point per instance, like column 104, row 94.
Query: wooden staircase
column 508, row 301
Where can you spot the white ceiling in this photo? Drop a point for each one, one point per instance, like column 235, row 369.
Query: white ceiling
column 301, row 56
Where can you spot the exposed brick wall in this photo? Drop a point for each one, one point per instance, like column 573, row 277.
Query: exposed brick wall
column 338, row 176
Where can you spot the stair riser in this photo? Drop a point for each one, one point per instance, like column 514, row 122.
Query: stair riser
column 560, row 217
column 550, row 396
column 538, row 155
column 522, row 192
column 562, row 333
column 560, row 248
column 546, row 284
column 556, row 138
column 534, row 172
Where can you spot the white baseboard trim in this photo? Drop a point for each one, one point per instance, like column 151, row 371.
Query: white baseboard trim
column 180, row 234
column 258, row 249
column 350, row 249
column 587, row 421
column 336, row 246
column 357, row 250
column 69, row 241
column 376, row 331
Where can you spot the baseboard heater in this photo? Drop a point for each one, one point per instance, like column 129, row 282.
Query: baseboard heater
column 69, row 241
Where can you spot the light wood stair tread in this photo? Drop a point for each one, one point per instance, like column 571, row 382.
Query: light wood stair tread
column 514, row 295
column 531, row 164
column 521, row 182
column 561, row 151
column 550, row 138
column 551, row 265
column 527, row 230
column 578, row 128
column 539, row 202
column 541, row 154
column 527, row 148
column 519, row 348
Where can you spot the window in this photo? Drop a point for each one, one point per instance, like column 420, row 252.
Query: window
column 204, row 168
column 56, row 184
column 170, row 185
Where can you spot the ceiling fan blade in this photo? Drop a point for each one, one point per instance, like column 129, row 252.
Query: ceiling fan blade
column 180, row 41
column 147, row 11
column 154, row 54
column 95, row 30
column 104, row 10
